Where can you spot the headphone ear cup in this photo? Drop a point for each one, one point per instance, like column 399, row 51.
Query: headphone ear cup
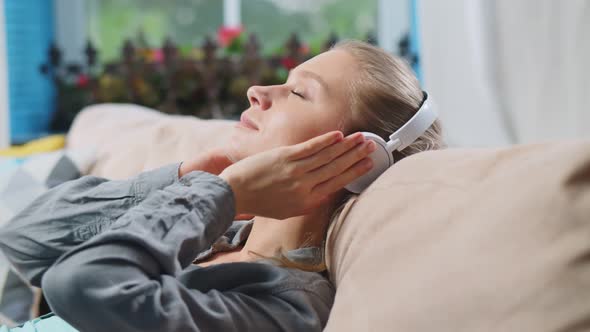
column 382, row 160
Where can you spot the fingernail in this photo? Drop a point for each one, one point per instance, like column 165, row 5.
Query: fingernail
column 337, row 136
column 360, row 138
column 368, row 163
column 370, row 146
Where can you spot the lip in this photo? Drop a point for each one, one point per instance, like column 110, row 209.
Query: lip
column 247, row 123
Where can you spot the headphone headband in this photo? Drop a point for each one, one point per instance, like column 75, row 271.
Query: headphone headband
column 415, row 127
column 382, row 157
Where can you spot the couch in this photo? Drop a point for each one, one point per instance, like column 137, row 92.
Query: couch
column 453, row 240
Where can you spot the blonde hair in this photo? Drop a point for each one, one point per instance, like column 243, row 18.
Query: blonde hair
column 384, row 96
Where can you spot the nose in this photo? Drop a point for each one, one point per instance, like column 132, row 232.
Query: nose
column 259, row 96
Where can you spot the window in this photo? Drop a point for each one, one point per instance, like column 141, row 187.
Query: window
column 111, row 22
column 313, row 20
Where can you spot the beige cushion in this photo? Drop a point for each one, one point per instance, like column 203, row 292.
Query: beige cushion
column 468, row 240
column 130, row 138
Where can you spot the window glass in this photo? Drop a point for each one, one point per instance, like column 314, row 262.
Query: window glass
column 111, row 22
column 187, row 22
column 313, row 20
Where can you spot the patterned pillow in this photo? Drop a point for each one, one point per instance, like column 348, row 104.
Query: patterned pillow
column 21, row 181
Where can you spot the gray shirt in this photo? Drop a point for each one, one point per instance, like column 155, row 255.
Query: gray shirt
column 116, row 256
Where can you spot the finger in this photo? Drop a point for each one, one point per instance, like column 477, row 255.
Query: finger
column 338, row 182
column 342, row 163
column 314, row 145
column 330, row 153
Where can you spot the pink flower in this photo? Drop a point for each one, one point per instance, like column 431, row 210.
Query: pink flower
column 225, row 35
column 158, row 55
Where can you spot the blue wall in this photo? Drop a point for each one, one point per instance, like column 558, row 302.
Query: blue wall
column 29, row 32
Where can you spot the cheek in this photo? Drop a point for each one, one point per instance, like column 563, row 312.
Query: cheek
column 243, row 143
column 285, row 130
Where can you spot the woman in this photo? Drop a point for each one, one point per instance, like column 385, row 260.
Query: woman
column 116, row 255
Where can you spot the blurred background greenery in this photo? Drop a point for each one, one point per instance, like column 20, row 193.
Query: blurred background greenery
column 187, row 22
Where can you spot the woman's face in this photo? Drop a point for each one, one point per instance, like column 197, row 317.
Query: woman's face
column 313, row 101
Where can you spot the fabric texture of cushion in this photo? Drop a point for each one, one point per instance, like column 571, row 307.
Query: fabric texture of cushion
column 21, row 181
column 468, row 240
column 130, row 139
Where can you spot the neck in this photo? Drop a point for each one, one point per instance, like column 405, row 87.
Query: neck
column 269, row 235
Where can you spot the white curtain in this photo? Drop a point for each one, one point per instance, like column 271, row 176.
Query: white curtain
column 506, row 71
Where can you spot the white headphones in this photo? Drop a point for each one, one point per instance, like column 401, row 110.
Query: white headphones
column 383, row 156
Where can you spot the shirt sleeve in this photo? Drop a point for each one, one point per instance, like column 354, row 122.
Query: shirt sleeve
column 70, row 214
column 126, row 279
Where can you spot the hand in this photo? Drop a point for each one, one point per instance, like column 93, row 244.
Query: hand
column 213, row 161
column 291, row 181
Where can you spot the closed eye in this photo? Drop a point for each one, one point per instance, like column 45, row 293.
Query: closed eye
column 297, row 94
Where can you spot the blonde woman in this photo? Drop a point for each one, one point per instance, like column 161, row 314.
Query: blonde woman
column 160, row 252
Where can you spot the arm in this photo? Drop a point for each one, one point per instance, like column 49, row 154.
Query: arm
column 72, row 213
column 126, row 279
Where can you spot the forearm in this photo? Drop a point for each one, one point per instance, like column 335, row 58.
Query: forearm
column 71, row 214
column 126, row 276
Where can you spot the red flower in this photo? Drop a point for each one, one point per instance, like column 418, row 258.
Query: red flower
column 288, row 63
column 82, row 81
column 225, row 35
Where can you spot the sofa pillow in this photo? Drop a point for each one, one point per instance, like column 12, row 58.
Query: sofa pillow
column 468, row 240
column 21, row 181
column 130, row 139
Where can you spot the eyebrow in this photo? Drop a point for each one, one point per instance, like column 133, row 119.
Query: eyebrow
column 313, row 76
